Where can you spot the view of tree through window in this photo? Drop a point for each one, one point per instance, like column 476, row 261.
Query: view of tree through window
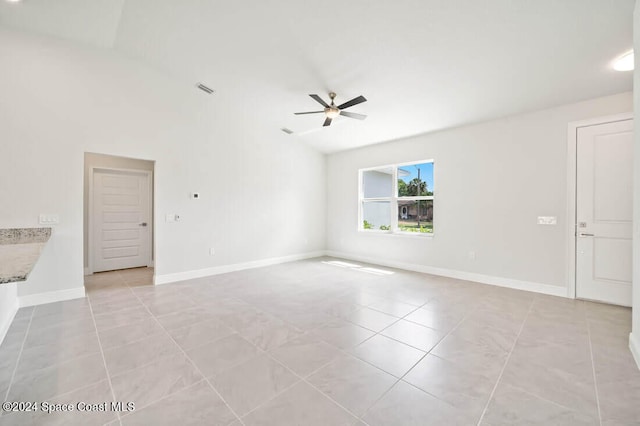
column 415, row 197
column 404, row 207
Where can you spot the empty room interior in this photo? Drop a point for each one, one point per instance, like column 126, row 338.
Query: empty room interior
column 339, row 213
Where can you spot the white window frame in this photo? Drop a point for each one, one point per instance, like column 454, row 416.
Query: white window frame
column 393, row 200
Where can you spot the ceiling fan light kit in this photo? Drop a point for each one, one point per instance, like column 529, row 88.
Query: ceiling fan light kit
column 331, row 111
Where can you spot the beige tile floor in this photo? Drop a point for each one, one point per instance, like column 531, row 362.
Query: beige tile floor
column 317, row 342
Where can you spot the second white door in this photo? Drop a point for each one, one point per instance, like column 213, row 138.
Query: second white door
column 604, row 212
column 121, row 220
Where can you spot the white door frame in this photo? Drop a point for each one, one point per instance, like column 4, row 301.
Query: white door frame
column 572, row 151
column 91, row 237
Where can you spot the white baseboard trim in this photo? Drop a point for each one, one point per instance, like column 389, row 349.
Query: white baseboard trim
column 216, row 270
column 51, row 296
column 461, row 275
column 634, row 345
column 9, row 310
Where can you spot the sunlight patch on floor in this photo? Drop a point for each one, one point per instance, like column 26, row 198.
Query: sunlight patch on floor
column 374, row 271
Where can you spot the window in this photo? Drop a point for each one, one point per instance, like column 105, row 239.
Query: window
column 397, row 198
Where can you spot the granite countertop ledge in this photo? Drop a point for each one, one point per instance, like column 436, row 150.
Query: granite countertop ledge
column 20, row 249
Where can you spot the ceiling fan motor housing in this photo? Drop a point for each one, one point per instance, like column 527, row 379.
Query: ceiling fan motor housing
column 332, row 111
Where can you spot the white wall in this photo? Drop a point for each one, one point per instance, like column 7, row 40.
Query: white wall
column 92, row 159
column 492, row 180
column 263, row 192
column 634, row 338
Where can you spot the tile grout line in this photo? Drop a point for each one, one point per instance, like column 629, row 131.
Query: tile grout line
column 15, row 367
column 528, row 392
column 170, row 394
column 504, row 367
column 414, row 365
column 158, row 359
column 379, row 333
column 282, row 319
column 104, row 360
column 593, row 365
column 126, row 372
column 132, row 341
column 116, row 310
column 142, row 304
column 84, row 386
column 145, row 363
column 195, row 366
column 564, row 407
column 76, row 358
column 301, row 378
column 265, row 352
column 398, row 319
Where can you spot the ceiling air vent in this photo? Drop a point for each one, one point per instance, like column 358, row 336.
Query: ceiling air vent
column 204, row 88
column 287, row 131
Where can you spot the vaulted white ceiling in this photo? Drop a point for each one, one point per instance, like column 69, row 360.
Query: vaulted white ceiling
column 423, row 65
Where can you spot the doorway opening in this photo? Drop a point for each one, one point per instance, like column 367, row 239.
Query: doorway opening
column 118, row 221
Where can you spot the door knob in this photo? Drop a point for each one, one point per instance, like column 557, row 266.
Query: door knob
column 583, row 234
column 143, row 224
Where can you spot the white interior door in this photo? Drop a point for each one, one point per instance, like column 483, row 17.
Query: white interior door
column 121, row 218
column 604, row 212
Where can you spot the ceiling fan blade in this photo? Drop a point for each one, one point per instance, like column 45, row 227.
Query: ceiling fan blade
column 353, row 115
column 327, row 122
column 355, row 101
column 310, row 112
column 320, row 101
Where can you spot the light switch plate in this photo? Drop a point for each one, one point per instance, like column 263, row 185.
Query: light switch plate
column 547, row 220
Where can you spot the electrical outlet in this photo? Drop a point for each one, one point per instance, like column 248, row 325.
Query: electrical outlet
column 212, row 251
column 49, row 219
column 472, row 255
column 547, row 220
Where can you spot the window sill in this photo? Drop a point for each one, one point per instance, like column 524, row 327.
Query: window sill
column 397, row 234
